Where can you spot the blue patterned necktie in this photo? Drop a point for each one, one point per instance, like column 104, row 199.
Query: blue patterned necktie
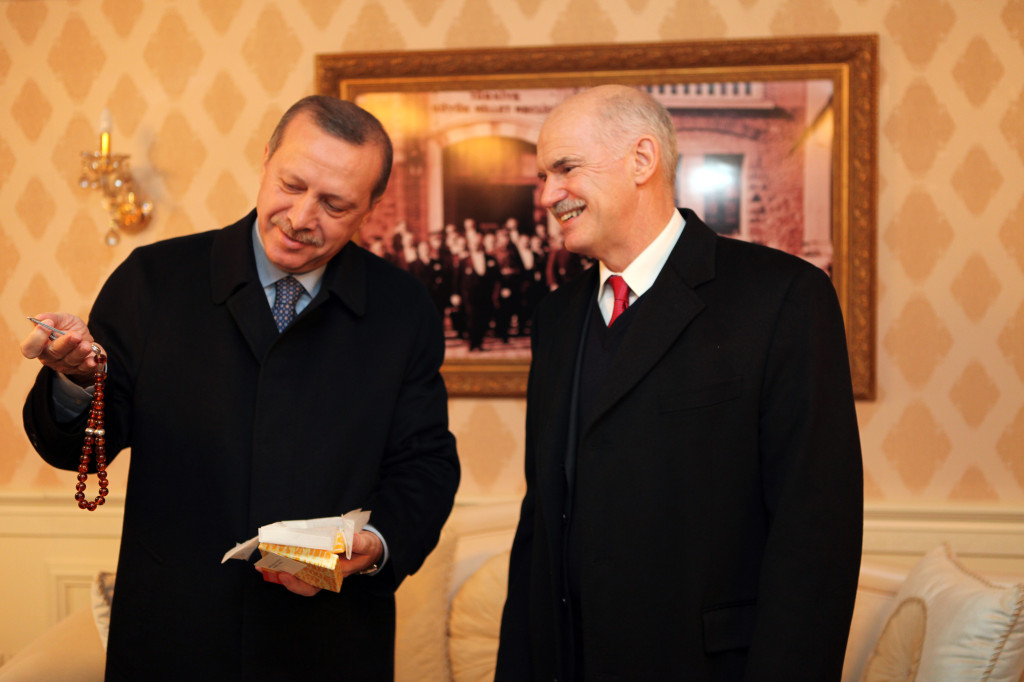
column 288, row 292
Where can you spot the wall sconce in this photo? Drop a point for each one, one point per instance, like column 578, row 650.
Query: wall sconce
column 111, row 175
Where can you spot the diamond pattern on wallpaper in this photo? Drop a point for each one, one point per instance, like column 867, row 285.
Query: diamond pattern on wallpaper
column 39, row 297
column 1011, row 234
column 223, row 102
column 177, row 154
column 598, row 28
column 9, row 258
column 978, row 71
column 1011, row 341
column 220, row 13
column 976, row 287
column 179, row 223
column 1010, row 446
column 26, row 18
column 918, row 341
column 489, row 434
column 690, row 21
column 322, row 11
column 919, row 27
column 10, row 356
column 476, row 19
column 976, row 180
column 226, row 200
column 1013, row 18
column 257, row 143
column 919, row 235
column 83, row 255
column 31, row 110
column 916, row 446
column 11, row 432
column 919, row 127
column 371, row 29
column 974, row 394
column 804, row 17
column 5, row 64
column 973, row 487
column 1012, row 125
column 76, row 57
column 6, row 161
column 35, row 207
column 122, row 14
column 527, row 7
column 81, row 134
column 424, row 10
column 271, row 49
column 173, row 53
column 127, row 108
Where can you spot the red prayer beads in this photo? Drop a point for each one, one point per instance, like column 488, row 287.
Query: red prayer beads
column 95, row 439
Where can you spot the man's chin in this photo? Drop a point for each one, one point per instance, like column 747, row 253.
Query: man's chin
column 292, row 259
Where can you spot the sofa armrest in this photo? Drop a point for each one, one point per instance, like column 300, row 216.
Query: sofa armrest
column 70, row 651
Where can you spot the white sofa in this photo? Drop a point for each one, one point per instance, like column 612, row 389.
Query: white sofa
column 448, row 614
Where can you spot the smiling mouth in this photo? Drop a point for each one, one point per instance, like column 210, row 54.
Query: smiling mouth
column 568, row 209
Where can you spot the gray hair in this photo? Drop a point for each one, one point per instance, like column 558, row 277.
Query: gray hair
column 633, row 112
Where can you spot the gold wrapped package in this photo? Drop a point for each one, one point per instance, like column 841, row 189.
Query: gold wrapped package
column 320, row 567
column 308, row 549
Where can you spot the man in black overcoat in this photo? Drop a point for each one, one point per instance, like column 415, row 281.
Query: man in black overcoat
column 237, row 417
column 694, row 483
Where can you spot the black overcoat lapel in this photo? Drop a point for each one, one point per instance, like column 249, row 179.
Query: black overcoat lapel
column 667, row 309
column 236, row 283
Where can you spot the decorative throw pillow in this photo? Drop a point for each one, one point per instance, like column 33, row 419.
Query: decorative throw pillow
column 102, row 596
column 475, row 621
column 421, row 606
column 950, row 625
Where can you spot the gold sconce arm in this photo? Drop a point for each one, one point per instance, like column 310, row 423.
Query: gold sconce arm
column 111, row 175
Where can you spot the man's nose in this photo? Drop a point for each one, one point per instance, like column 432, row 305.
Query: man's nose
column 551, row 193
column 304, row 211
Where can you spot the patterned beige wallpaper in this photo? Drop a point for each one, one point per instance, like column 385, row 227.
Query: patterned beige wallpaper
column 194, row 87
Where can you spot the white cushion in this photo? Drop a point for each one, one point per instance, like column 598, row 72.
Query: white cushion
column 421, row 607
column 948, row 624
column 475, row 621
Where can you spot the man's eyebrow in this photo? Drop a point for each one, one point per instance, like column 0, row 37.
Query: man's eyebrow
column 561, row 163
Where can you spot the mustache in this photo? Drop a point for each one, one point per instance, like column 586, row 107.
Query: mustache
column 566, row 205
column 307, row 237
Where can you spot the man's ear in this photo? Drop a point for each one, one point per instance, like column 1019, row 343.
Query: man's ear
column 646, row 159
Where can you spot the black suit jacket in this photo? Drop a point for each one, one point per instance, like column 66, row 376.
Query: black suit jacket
column 718, row 485
column 232, row 426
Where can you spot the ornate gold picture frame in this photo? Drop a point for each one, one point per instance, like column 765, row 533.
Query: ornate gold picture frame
column 458, row 78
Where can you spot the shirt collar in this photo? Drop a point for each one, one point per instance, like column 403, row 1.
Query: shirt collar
column 645, row 268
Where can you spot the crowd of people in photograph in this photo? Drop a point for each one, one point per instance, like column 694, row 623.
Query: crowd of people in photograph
column 485, row 281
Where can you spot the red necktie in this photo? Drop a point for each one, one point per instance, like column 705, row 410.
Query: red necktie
column 621, row 291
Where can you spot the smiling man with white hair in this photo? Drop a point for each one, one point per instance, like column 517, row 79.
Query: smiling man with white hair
column 694, row 482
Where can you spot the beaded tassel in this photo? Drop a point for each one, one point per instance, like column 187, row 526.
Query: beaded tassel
column 95, row 439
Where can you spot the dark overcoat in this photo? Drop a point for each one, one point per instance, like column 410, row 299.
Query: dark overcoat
column 718, row 484
column 233, row 426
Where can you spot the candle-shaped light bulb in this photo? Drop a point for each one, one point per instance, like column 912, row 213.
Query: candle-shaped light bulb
column 105, row 124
